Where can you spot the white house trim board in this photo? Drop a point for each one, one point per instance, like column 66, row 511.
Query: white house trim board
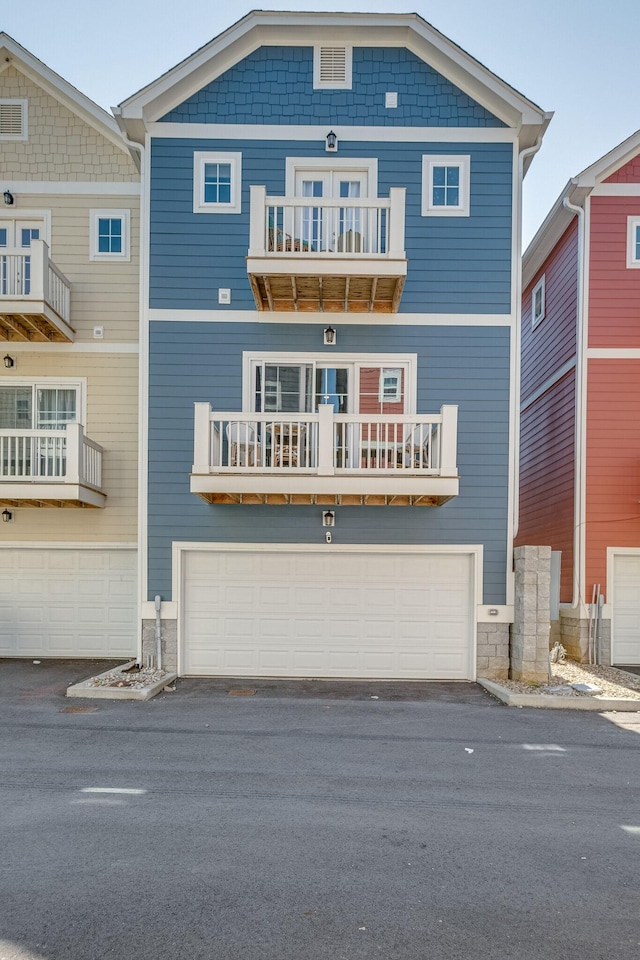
column 82, row 346
column 613, row 353
column 70, row 187
column 368, row 165
column 68, row 545
column 143, row 383
column 616, row 190
column 315, row 317
column 180, row 548
column 305, row 132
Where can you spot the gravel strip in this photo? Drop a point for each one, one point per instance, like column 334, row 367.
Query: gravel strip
column 615, row 684
column 136, row 680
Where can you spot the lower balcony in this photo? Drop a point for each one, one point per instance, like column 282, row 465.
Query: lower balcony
column 50, row 468
column 35, row 297
column 325, row 458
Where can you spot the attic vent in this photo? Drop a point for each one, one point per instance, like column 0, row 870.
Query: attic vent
column 13, row 119
column 332, row 68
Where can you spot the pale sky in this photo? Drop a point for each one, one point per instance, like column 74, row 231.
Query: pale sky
column 576, row 57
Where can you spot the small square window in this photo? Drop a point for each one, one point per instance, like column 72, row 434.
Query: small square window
column 390, row 386
column 109, row 235
column 13, row 120
column 538, row 305
column 633, row 242
column 217, row 182
column 445, row 186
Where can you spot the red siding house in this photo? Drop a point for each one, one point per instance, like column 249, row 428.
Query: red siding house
column 580, row 404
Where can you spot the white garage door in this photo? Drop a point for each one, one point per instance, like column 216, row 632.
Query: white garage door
column 68, row 603
column 626, row 609
column 289, row 613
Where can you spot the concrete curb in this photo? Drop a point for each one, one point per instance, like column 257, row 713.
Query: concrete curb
column 549, row 702
column 89, row 692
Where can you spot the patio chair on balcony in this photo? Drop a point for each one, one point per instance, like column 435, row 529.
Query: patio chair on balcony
column 243, row 449
column 288, row 444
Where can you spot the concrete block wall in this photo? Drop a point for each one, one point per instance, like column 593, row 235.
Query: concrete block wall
column 493, row 651
column 531, row 627
column 574, row 636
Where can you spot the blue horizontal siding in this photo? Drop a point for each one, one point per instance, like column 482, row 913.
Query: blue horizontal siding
column 455, row 264
column 468, row 366
column 275, row 85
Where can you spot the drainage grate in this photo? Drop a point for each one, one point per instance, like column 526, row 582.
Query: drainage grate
column 241, row 693
column 79, row 710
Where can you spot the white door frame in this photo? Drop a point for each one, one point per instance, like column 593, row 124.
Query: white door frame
column 179, row 548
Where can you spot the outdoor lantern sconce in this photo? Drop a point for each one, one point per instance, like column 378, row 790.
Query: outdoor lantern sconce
column 332, row 142
column 329, row 336
column 9, row 361
column 8, row 198
column 7, row 516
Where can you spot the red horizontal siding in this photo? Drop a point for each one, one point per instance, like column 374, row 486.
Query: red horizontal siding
column 614, row 289
column 613, row 462
column 630, row 173
column 553, row 341
column 547, row 475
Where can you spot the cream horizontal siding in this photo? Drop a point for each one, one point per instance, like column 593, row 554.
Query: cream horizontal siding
column 60, row 145
column 112, row 421
column 102, row 293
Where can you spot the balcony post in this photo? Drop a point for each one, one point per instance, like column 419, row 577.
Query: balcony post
column 74, row 452
column 449, row 441
column 395, row 245
column 202, row 438
column 257, row 220
column 39, row 256
column 326, row 440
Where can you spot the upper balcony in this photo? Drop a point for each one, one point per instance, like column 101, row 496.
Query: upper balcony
column 325, row 458
column 34, row 296
column 330, row 255
column 50, row 468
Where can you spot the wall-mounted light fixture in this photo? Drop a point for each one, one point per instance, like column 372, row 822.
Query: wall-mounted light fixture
column 7, row 516
column 328, row 518
column 332, row 142
column 8, row 198
column 329, row 336
column 8, row 361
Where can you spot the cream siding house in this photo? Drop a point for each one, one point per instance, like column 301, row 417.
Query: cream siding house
column 69, row 269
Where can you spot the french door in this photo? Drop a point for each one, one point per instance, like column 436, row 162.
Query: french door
column 15, row 274
column 328, row 228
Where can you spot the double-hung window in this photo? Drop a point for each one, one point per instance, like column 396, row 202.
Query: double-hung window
column 538, row 302
column 217, row 182
column 109, row 235
column 445, row 186
column 633, row 242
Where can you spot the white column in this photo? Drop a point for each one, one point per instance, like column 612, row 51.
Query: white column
column 202, row 438
column 39, row 254
column 257, row 220
column 395, row 244
column 74, row 453
column 449, row 441
column 326, row 440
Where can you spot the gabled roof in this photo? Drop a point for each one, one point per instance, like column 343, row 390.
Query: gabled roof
column 13, row 54
column 264, row 28
column 575, row 192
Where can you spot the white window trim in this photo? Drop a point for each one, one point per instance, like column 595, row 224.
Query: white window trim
column 633, row 262
column 48, row 383
column 386, row 373
column 125, row 216
column 540, row 286
column 12, row 213
column 345, row 84
column 200, row 158
column 408, row 362
column 429, row 161
column 368, row 165
column 24, row 133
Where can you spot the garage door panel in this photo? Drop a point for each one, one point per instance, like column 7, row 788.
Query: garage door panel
column 626, row 610
column 68, row 602
column 368, row 614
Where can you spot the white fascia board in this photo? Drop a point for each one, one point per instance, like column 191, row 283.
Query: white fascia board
column 550, row 231
column 60, row 90
column 610, row 162
column 294, row 29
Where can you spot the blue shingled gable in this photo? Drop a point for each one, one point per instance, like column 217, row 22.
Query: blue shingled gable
column 275, row 85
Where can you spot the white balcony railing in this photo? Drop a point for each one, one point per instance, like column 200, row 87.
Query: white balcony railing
column 30, row 276
column 325, row 443
column 332, row 228
column 50, row 456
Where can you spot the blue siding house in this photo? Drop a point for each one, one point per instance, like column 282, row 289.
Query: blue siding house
column 329, row 351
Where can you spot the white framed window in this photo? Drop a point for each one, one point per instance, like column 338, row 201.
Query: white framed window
column 633, row 242
column 217, row 182
column 390, row 385
column 332, row 67
column 109, row 235
column 13, row 120
column 44, row 404
column 538, row 303
column 445, row 186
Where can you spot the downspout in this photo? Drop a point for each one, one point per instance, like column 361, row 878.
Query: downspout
column 581, row 391
column 139, row 148
column 522, row 156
